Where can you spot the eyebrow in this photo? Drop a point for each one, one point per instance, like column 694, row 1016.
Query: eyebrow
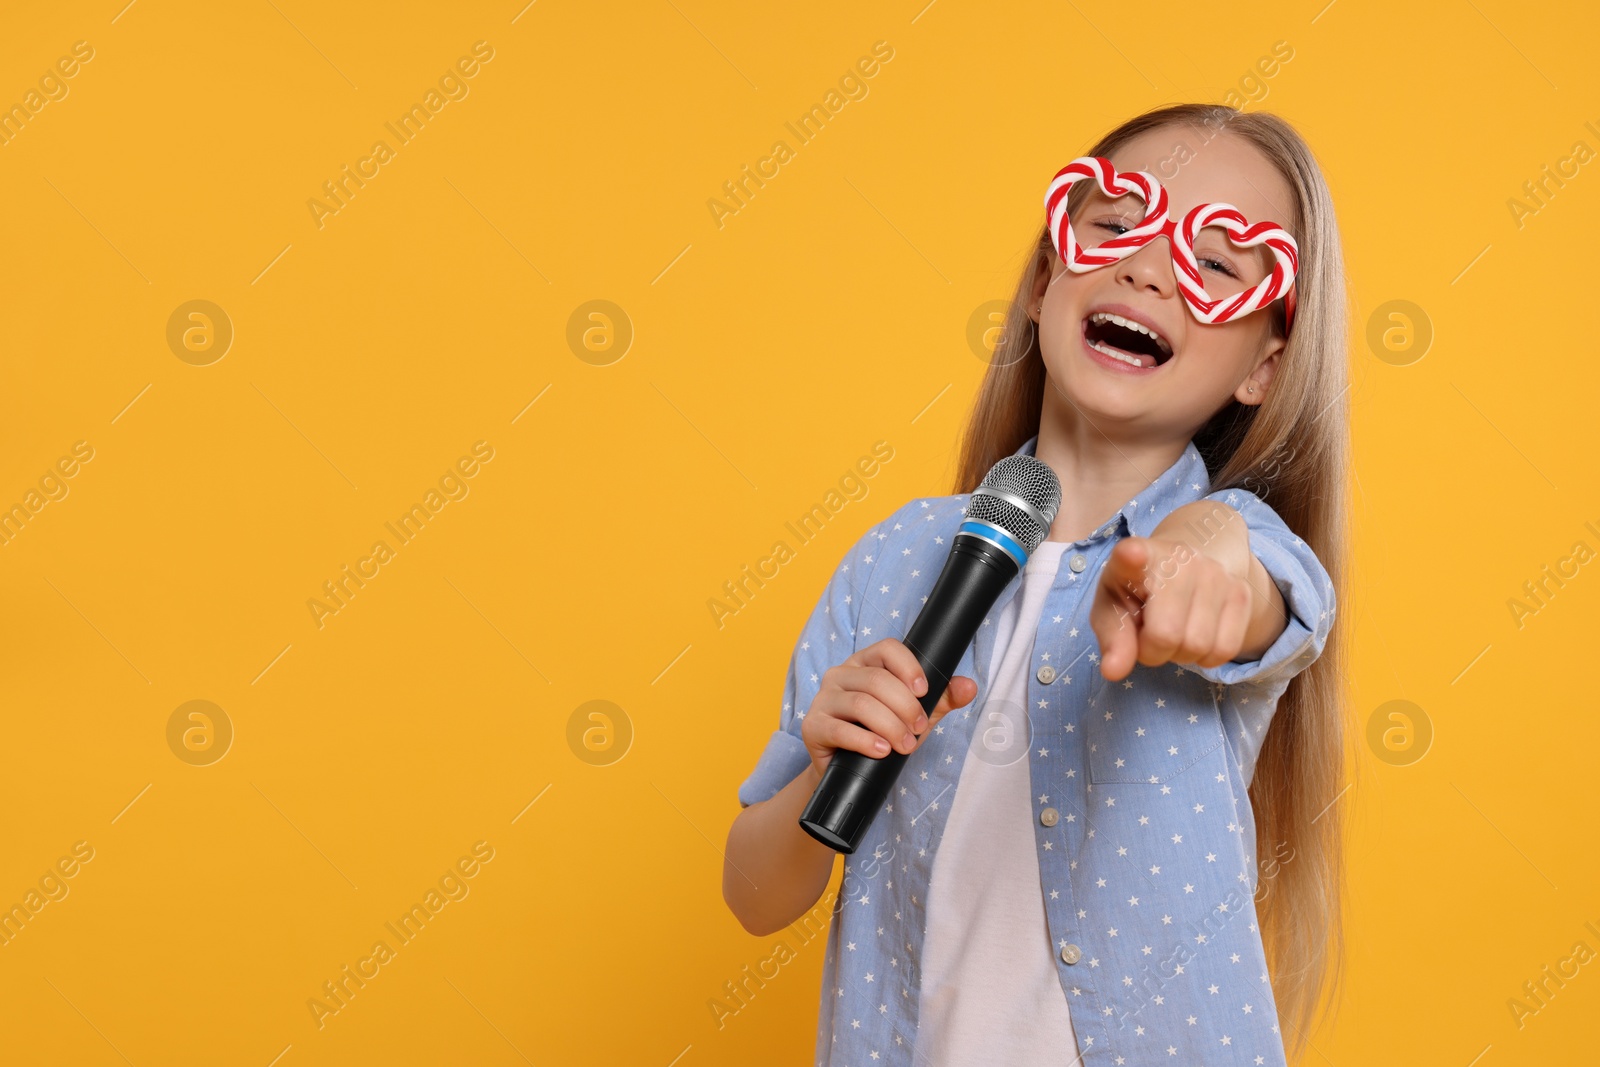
column 1096, row 195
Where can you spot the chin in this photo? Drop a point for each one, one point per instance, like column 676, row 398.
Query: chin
column 1098, row 394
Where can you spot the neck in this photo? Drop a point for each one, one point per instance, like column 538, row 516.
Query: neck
column 1099, row 472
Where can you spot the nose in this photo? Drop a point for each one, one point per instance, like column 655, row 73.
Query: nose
column 1150, row 268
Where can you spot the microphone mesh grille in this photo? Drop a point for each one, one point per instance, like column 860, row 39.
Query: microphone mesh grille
column 1026, row 477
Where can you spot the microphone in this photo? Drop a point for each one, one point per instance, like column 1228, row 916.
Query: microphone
column 1007, row 517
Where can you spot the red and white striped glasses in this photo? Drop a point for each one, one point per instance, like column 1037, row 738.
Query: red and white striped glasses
column 1219, row 271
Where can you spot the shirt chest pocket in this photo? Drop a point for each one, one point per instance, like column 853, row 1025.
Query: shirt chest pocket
column 1153, row 730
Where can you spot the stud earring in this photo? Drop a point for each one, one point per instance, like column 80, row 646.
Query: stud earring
column 1252, row 388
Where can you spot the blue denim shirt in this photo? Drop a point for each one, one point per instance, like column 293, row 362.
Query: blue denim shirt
column 1146, row 838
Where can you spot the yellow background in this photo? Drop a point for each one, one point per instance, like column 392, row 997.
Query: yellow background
column 768, row 355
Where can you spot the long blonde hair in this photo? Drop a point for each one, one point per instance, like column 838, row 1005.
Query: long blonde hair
column 1292, row 450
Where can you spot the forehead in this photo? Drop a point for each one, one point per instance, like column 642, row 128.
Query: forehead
column 1200, row 166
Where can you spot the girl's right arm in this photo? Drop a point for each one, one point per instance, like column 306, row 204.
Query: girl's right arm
column 775, row 871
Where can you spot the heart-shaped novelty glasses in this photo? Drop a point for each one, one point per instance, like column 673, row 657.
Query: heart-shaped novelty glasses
column 1181, row 235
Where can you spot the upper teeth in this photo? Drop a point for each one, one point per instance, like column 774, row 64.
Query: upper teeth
column 1106, row 316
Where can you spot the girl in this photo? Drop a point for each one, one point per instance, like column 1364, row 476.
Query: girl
column 1134, row 869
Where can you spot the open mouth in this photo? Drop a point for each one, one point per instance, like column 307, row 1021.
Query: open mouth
column 1123, row 339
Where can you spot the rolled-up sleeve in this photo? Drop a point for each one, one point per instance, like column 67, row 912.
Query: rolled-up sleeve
column 828, row 638
column 1307, row 594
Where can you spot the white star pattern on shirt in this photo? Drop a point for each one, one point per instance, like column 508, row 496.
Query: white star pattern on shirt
column 1169, row 713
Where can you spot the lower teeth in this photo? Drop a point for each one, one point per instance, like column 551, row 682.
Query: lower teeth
column 1114, row 354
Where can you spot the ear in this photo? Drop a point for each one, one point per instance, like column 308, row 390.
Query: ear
column 1041, row 284
column 1261, row 377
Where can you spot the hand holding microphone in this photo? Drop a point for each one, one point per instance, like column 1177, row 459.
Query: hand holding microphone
column 869, row 704
column 1006, row 519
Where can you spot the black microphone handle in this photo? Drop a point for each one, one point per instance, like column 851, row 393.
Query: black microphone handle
column 855, row 786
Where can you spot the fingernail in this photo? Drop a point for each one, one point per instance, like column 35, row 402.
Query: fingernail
column 881, row 745
column 920, row 686
column 909, row 742
column 922, row 723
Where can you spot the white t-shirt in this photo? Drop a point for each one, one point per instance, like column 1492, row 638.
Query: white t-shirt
column 990, row 993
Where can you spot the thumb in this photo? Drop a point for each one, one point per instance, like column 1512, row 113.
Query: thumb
column 1125, row 567
column 957, row 694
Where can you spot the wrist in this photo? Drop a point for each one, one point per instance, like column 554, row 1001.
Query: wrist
column 1269, row 615
column 812, row 776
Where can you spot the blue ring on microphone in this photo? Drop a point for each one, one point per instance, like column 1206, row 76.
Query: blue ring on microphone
column 995, row 533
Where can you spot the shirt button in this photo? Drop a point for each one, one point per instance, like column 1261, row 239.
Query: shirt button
column 1047, row 674
column 1049, row 816
column 1071, row 954
column 1077, row 562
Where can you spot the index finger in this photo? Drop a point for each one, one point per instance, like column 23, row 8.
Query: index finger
column 1115, row 618
column 893, row 656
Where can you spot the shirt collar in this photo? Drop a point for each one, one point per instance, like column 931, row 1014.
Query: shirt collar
column 1185, row 481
